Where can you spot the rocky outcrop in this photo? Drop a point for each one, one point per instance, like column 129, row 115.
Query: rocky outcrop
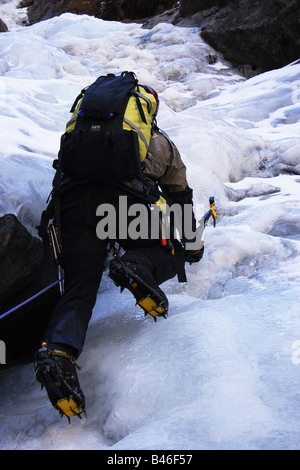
column 21, row 258
column 3, row 27
column 253, row 35
column 24, row 273
column 117, row 10
column 189, row 7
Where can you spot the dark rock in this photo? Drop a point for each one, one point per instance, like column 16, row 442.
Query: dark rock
column 21, row 258
column 253, row 35
column 3, row 27
column 116, row 10
column 23, row 274
column 39, row 10
column 189, row 7
column 169, row 16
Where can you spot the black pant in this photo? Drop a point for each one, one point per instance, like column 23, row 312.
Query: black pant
column 84, row 255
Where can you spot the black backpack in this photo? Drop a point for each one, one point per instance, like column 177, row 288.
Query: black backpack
column 110, row 129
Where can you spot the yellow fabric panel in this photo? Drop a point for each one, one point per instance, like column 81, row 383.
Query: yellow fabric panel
column 132, row 114
column 72, row 122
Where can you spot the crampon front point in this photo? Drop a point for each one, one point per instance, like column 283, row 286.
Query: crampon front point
column 150, row 307
column 69, row 408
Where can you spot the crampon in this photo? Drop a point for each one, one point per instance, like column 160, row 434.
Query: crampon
column 147, row 294
column 56, row 371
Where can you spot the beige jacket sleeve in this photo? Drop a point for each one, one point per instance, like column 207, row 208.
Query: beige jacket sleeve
column 164, row 164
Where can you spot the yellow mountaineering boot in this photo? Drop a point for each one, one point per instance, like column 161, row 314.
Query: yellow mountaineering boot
column 56, row 371
column 145, row 290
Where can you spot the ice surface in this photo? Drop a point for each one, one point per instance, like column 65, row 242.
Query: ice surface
column 222, row 372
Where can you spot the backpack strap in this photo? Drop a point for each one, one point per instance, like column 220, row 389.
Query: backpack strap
column 81, row 95
column 137, row 129
column 140, row 108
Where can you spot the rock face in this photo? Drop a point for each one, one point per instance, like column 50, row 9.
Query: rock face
column 249, row 33
column 21, row 258
column 23, row 274
column 3, row 27
column 253, row 35
column 117, row 10
column 189, row 7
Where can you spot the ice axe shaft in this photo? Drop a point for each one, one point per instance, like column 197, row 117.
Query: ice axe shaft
column 212, row 211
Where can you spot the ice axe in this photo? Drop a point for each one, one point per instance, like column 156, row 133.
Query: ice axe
column 198, row 243
column 211, row 212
